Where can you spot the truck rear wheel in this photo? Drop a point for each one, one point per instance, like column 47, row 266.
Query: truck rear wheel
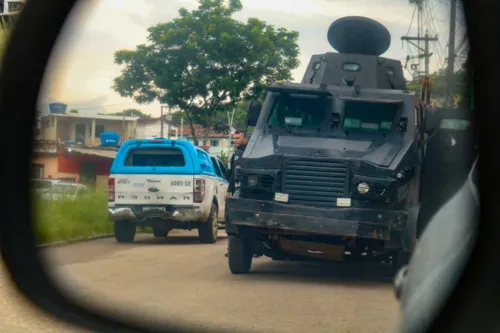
column 209, row 230
column 159, row 232
column 240, row 255
column 124, row 231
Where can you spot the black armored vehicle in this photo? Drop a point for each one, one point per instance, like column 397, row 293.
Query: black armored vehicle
column 333, row 167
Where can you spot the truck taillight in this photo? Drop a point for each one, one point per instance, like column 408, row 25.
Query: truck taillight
column 198, row 190
column 111, row 189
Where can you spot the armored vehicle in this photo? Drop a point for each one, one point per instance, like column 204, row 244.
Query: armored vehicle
column 332, row 169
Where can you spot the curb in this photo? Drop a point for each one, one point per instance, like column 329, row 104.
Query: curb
column 74, row 241
column 80, row 240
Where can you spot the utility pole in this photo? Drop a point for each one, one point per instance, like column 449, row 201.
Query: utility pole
column 426, row 55
column 161, row 122
column 450, row 73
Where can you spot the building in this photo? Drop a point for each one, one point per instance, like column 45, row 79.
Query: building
column 217, row 142
column 84, row 129
column 151, row 128
column 69, row 146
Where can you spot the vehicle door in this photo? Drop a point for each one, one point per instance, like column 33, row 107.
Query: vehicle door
column 222, row 185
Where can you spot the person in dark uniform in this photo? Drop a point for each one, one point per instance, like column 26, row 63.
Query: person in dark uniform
column 240, row 142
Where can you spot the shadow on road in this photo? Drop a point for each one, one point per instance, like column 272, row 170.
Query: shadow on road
column 191, row 239
column 354, row 274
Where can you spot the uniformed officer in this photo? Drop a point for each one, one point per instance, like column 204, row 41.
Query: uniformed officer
column 240, row 142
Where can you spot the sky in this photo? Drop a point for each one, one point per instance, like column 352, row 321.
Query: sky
column 81, row 70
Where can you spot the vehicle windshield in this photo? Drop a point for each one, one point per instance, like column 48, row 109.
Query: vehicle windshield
column 368, row 117
column 64, row 189
column 303, row 111
column 41, row 184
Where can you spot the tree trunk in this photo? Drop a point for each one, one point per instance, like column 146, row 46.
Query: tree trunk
column 193, row 132
column 208, row 129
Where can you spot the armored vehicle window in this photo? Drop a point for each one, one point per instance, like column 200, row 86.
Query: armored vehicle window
column 455, row 124
column 162, row 157
column 298, row 111
column 351, row 67
column 368, row 117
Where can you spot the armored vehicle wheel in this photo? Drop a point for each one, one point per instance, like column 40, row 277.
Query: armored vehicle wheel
column 208, row 231
column 159, row 233
column 399, row 260
column 240, row 255
column 124, row 231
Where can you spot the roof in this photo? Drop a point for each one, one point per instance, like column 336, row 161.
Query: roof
column 95, row 152
column 102, row 117
column 153, row 120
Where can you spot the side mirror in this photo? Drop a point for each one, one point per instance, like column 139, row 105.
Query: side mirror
column 430, row 121
column 253, row 113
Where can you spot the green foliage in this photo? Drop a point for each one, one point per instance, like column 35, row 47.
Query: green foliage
column 58, row 220
column 439, row 80
column 224, row 157
column 73, row 111
column 204, row 62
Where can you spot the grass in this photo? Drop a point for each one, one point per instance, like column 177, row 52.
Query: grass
column 67, row 220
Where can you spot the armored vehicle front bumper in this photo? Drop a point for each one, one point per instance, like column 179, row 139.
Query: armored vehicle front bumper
column 395, row 228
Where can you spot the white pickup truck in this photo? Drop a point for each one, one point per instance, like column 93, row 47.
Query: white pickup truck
column 166, row 184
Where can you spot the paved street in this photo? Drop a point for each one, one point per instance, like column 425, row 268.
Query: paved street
column 179, row 277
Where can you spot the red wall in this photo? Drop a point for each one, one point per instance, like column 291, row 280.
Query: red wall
column 71, row 163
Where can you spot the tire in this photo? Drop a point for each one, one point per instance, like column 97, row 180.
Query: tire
column 240, row 255
column 159, row 233
column 124, row 231
column 209, row 230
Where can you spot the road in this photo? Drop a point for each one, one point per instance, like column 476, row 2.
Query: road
column 180, row 278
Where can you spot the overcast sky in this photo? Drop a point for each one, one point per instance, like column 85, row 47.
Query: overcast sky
column 81, row 72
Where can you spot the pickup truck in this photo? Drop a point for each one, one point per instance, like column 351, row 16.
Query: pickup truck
column 166, row 184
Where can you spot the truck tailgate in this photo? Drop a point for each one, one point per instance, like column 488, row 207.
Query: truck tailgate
column 160, row 189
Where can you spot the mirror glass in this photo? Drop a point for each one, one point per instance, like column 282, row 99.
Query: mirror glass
column 152, row 237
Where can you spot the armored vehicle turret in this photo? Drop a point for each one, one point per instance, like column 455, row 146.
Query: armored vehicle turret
column 332, row 169
column 360, row 42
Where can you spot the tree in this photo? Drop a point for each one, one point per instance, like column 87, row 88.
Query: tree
column 204, row 62
column 439, row 85
column 73, row 111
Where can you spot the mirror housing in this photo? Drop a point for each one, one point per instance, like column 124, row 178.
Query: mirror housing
column 253, row 113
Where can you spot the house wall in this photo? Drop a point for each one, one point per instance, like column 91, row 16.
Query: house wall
column 64, row 129
column 224, row 145
column 69, row 166
column 153, row 129
column 50, row 165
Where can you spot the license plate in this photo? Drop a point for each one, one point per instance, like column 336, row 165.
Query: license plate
column 343, row 202
column 281, row 197
column 159, row 209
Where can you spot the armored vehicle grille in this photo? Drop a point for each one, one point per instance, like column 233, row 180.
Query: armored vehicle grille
column 315, row 182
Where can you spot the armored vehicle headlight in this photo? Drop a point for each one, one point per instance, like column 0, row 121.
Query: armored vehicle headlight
column 363, row 188
column 252, row 180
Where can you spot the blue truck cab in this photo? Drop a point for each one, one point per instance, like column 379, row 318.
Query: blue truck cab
column 166, row 184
